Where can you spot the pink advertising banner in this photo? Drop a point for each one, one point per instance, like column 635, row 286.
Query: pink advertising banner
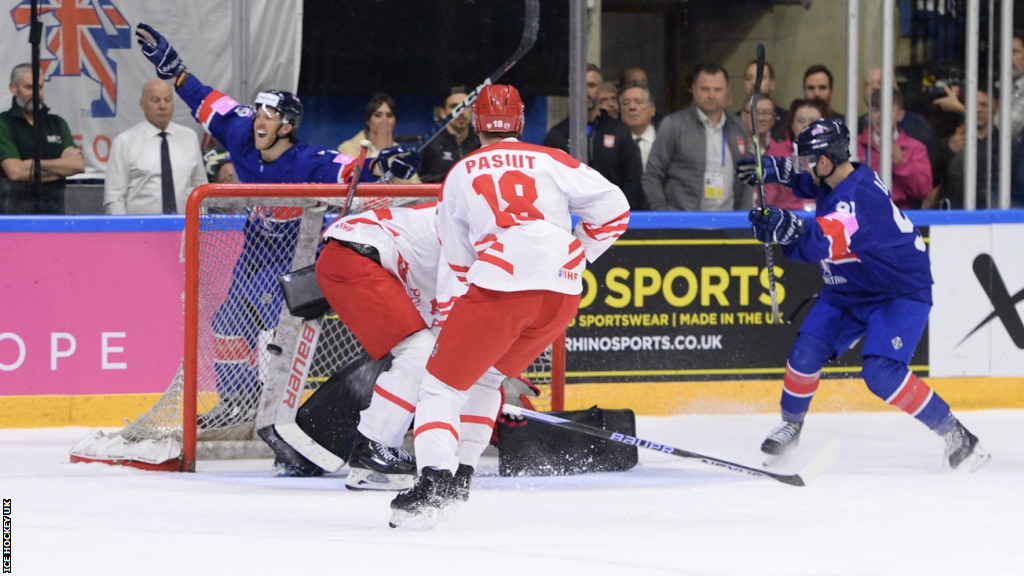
column 90, row 313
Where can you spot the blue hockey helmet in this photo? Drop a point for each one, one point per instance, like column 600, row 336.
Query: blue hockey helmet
column 825, row 137
column 287, row 105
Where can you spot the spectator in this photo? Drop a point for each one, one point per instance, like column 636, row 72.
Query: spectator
column 60, row 157
column 767, row 88
column 608, row 99
column 1017, row 106
column 818, row 84
column 949, row 192
column 380, row 118
column 911, row 170
column 694, row 155
column 764, row 119
column 219, row 167
column 453, row 143
column 137, row 180
column 610, row 147
column 800, row 114
column 635, row 75
column 915, row 125
column 638, row 113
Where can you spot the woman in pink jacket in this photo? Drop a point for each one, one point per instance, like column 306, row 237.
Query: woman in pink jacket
column 911, row 169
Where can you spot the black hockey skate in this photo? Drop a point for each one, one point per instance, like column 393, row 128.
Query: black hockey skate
column 963, row 451
column 375, row 466
column 459, row 489
column 780, row 440
column 421, row 505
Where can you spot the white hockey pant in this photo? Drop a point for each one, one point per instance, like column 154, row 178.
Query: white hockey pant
column 391, row 409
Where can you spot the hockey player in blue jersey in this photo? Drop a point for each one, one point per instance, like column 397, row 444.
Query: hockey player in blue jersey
column 263, row 142
column 878, row 286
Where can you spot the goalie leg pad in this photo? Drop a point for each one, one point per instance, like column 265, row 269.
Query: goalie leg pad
column 330, row 416
column 394, row 399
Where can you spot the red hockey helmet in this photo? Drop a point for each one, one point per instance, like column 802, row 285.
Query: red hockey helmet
column 499, row 109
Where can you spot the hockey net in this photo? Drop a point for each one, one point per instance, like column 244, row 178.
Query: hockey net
column 239, row 337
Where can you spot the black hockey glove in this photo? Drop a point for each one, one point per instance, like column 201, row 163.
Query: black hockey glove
column 777, row 170
column 782, row 226
column 517, row 392
column 400, row 161
column 158, row 51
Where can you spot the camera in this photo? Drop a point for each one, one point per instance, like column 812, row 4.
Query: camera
column 938, row 86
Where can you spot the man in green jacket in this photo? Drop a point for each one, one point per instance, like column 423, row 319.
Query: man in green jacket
column 60, row 157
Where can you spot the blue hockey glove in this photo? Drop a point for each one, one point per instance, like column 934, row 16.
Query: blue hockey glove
column 158, row 51
column 777, row 170
column 400, row 161
column 782, row 226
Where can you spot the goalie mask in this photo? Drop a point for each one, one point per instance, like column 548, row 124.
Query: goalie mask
column 287, row 105
column 499, row 109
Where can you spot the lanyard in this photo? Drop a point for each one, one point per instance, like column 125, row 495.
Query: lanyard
column 723, row 144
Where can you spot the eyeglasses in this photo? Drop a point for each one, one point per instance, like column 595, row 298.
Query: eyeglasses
column 761, row 113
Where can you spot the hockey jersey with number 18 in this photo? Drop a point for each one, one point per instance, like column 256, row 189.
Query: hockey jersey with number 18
column 504, row 218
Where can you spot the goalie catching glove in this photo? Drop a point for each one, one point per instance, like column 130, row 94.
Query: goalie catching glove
column 160, row 52
column 777, row 170
column 516, row 392
column 401, row 161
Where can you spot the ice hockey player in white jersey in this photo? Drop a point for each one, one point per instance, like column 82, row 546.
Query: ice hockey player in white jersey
column 506, row 233
column 379, row 271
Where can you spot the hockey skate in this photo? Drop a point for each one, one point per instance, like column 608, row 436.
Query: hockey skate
column 378, row 467
column 963, row 451
column 421, row 506
column 780, row 440
column 459, row 490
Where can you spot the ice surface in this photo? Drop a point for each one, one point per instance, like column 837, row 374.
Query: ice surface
column 888, row 506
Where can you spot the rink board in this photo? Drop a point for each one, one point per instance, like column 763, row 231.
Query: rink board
column 675, row 318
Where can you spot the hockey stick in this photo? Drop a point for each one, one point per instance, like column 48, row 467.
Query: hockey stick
column 769, row 255
column 357, row 172
column 817, row 466
column 531, row 23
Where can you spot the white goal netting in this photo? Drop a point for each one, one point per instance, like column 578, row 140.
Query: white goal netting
column 239, row 335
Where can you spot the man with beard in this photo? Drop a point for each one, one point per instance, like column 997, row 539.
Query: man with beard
column 455, row 142
column 610, row 147
column 60, row 157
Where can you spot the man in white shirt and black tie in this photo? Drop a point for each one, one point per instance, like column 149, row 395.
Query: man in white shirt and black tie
column 637, row 110
column 155, row 164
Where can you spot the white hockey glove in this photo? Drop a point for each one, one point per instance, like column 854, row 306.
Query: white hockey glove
column 517, row 392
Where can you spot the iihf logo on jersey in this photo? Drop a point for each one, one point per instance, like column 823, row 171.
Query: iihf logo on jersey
column 77, row 34
column 897, row 343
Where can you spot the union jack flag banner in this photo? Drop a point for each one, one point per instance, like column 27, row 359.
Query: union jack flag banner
column 93, row 70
